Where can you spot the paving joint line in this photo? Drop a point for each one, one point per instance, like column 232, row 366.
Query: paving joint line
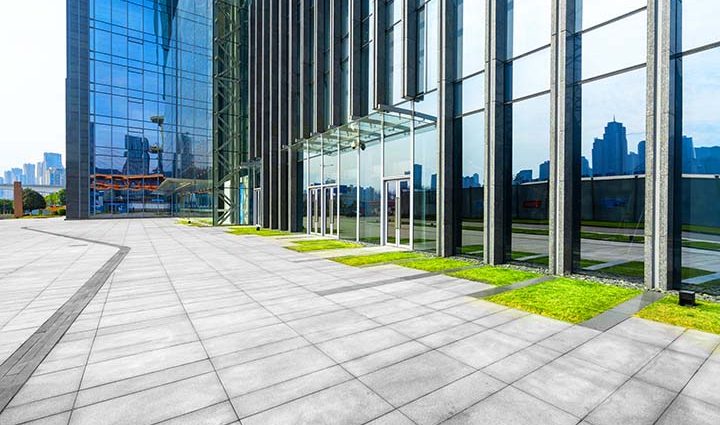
column 622, row 312
column 19, row 367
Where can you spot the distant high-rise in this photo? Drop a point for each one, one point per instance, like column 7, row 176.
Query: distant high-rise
column 39, row 173
column 641, row 159
column 585, row 170
column 544, row 171
column 53, row 160
column 523, row 176
column 689, row 165
column 8, row 177
column 28, row 176
column 609, row 154
column 708, row 159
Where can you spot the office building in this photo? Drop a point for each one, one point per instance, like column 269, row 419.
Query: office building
column 420, row 124
column 139, row 107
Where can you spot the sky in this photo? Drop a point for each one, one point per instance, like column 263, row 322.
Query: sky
column 32, row 80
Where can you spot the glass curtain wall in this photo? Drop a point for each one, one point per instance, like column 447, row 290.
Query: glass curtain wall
column 610, row 53
column 528, row 123
column 697, row 64
column 367, row 62
column 470, row 122
column 370, row 190
column 394, row 50
column 344, row 36
column 150, row 107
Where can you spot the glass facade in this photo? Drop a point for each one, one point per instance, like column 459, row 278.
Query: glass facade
column 524, row 145
column 610, row 95
column 149, row 119
column 697, row 64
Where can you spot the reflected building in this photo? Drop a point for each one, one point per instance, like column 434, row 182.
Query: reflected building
column 139, row 102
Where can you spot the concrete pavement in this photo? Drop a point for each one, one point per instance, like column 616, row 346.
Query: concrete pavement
column 198, row 326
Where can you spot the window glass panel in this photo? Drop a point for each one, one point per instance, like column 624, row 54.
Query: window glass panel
column 530, row 149
column 612, row 201
column 470, row 36
column 528, row 25
column 594, row 12
column 615, row 46
column 425, row 170
column 370, row 192
column 700, row 213
column 471, row 133
column 348, row 193
column 699, row 23
column 397, row 155
column 530, row 74
column 473, row 93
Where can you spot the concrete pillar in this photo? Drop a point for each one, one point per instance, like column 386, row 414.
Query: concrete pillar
column 448, row 200
column 565, row 143
column 17, row 199
column 293, row 113
column 320, row 11
column 498, row 152
column 283, row 96
column 265, row 111
column 662, row 151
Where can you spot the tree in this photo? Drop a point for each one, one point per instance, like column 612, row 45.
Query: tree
column 56, row 199
column 6, row 206
column 32, row 200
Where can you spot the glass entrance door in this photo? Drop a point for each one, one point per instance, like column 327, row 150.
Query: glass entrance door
column 315, row 211
column 257, row 206
column 331, row 211
column 397, row 212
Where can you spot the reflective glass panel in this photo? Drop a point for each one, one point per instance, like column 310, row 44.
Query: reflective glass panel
column 425, row 169
column 614, row 46
column 530, row 74
column 701, row 167
column 613, row 152
column 530, row 156
column 528, row 25
column 370, row 193
column 471, row 133
column 699, row 23
column 348, row 193
column 593, row 12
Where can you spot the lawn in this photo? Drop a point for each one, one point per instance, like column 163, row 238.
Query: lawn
column 566, row 299
column 436, row 264
column 252, row 230
column 704, row 317
column 471, row 249
column 195, row 222
column 322, row 245
column 385, row 257
column 498, row 276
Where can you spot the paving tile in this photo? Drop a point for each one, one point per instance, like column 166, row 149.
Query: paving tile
column 372, row 362
column 360, row 344
column 617, row 353
column 142, row 382
column 154, row 405
column 569, row 338
column 267, row 398
column 696, row 343
column 474, row 310
column 523, row 362
column 670, row 369
column 647, row 331
column 142, row 363
column 451, row 399
column 704, row 385
column 217, row 414
column 635, row 402
column 512, row 407
column 262, row 373
column 349, row 404
column 40, row 387
column 502, row 316
column 415, row 377
column 450, row 335
column 571, row 384
column 393, row 418
column 688, row 410
column 532, row 327
column 485, row 348
column 37, row 409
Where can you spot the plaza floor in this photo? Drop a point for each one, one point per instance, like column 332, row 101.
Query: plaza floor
column 196, row 326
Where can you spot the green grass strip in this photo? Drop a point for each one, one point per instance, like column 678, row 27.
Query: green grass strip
column 385, row 257
column 566, row 299
column 497, row 276
column 252, row 230
column 708, row 246
column 705, row 316
column 195, row 222
column 322, row 245
column 435, row 264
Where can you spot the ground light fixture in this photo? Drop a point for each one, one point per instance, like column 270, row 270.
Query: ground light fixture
column 687, row 298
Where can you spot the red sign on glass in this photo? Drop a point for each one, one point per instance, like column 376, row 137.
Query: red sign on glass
column 532, row 204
